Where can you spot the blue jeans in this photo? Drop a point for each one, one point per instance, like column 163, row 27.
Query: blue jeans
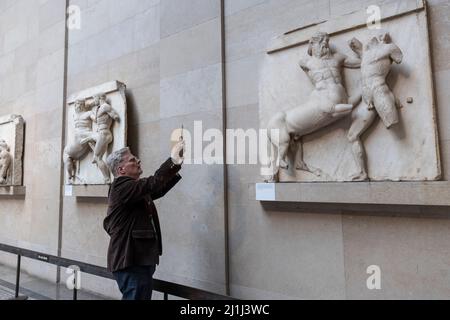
column 135, row 283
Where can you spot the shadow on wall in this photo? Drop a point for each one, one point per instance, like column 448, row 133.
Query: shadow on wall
column 133, row 132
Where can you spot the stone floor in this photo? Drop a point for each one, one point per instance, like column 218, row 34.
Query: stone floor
column 6, row 294
column 38, row 289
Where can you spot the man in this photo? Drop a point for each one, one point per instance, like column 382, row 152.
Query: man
column 103, row 115
column 132, row 220
column 78, row 147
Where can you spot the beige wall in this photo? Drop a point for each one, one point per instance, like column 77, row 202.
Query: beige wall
column 31, row 82
column 168, row 52
column 162, row 51
column 314, row 251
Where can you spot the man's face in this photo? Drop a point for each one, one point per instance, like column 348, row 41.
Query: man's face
column 130, row 167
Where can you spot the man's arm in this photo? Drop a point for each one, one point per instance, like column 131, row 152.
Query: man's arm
column 165, row 187
column 129, row 190
column 175, row 161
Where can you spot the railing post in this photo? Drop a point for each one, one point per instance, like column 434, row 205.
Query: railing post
column 18, row 276
column 75, row 284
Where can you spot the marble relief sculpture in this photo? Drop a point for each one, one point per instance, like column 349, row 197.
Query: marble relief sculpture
column 377, row 58
column 327, row 103
column 5, row 161
column 362, row 109
column 78, row 147
column 92, row 133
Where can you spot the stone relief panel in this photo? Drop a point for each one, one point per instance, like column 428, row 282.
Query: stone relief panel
column 96, row 126
column 350, row 103
column 11, row 150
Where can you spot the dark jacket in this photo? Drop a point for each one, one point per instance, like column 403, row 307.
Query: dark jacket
column 132, row 220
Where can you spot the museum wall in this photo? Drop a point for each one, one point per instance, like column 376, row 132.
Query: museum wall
column 168, row 53
column 32, row 82
column 322, row 251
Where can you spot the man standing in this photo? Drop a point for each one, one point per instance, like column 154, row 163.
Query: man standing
column 132, row 220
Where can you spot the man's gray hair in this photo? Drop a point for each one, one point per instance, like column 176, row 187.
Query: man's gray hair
column 115, row 159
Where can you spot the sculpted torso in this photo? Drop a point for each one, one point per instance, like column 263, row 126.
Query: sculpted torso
column 83, row 130
column 319, row 110
column 83, row 125
column 103, row 117
column 375, row 66
column 325, row 73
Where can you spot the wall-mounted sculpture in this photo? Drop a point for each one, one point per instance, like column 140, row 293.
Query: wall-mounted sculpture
column 11, row 150
column 326, row 132
column 327, row 103
column 96, row 126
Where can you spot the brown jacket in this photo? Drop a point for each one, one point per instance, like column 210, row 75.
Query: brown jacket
column 132, row 220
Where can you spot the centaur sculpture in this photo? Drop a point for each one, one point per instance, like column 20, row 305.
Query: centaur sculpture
column 327, row 103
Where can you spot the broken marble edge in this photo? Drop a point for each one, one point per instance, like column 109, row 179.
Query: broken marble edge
column 342, row 24
column 106, row 88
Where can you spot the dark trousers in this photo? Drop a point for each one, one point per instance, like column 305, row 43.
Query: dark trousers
column 135, row 283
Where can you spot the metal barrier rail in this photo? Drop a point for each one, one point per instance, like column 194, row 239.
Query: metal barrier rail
column 167, row 288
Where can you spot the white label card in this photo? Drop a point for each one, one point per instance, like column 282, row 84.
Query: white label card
column 265, row 191
column 68, row 191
